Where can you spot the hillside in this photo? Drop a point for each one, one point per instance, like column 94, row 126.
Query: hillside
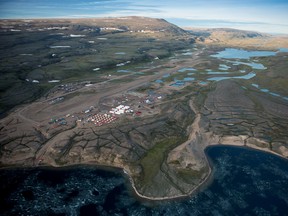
column 96, row 26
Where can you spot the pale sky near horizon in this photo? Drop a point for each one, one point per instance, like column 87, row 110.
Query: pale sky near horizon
column 260, row 15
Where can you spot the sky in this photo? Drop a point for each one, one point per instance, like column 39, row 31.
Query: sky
column 269, row 16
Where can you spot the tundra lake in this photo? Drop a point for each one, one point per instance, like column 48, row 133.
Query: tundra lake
column 244, row 182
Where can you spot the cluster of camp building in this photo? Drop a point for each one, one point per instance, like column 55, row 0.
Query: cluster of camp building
column 121, row 109
column 101, row 119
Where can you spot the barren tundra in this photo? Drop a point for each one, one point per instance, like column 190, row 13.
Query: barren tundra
column 137, row 93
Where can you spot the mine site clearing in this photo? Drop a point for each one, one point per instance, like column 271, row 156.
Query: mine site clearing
column 84, row 102
column 102, row 103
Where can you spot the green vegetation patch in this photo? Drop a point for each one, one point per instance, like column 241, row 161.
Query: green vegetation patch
column 151, row 163
column 275, row 77
column 191, row 176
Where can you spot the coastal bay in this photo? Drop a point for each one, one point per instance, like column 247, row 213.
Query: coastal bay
column 243, row 180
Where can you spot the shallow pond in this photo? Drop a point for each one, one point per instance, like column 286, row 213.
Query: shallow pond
column 268, row 91
column 124, row 71
column 283, row 49
column 120, row 53
column 247, row 76
column 203, row 83
column 188, row 79
column 186, row 69
column 178, row 83
column 215, row 72
column 224, row 67
column 159, row 81
column 253, row 65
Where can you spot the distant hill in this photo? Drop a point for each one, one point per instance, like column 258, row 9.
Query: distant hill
column 235, row 37
column 133, row 24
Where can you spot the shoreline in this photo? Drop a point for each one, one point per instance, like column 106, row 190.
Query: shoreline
column 251, row 146
column 203, row 183
column 199, row 187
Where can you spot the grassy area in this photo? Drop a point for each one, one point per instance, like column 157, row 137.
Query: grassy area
column 152, row 161
column 169, row 136
column 275, row 77
column 191, row 176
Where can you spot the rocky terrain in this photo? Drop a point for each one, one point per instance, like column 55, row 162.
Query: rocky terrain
column 238, row 38
column 160, row 139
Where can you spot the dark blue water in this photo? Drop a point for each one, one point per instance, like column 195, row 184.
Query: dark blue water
column 246, row 182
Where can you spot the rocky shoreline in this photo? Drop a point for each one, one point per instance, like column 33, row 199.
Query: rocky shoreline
column 185, row 167
column 201, row 185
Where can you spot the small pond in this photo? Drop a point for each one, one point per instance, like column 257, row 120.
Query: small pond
column 188, row 79
column 124, row 71
column 224, row 67
column 247, row 76
column 186, row 69
column 268, row 91
column 178, row 84
column 159, row 81
column 215, row 72
column 253, row 65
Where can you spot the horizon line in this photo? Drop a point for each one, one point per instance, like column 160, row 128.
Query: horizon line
column 75, row 17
